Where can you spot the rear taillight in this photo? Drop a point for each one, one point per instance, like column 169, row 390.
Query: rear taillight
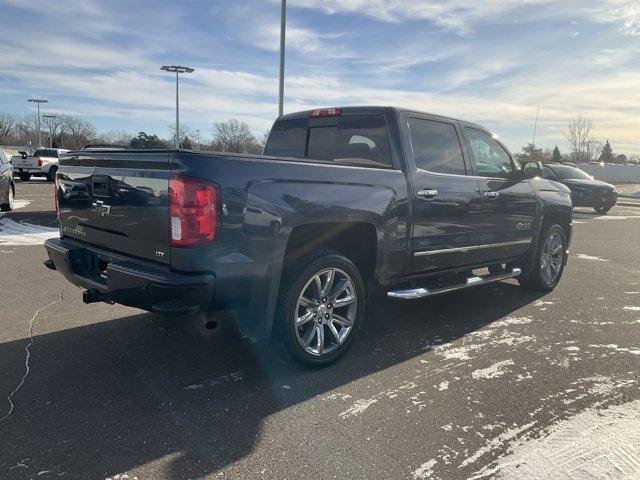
column 194, row 212
column 56, row 189
column 40, row 162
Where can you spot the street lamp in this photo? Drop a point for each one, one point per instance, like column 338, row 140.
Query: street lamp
column 177, row 69
column 50, row 129
column 39, row 101
column 283, row 25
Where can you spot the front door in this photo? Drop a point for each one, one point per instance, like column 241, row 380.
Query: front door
column 446, row 199
column 508, row 202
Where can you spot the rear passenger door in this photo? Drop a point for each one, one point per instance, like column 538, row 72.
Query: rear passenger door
column 446, row 208
column 508, row 202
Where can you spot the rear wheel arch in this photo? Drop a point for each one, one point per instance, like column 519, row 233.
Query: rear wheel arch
column 357, row 241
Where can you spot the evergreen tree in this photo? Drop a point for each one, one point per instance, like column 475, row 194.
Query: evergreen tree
column 531, row 153
column 144, row 140
column 607, row 154
column 556, row 156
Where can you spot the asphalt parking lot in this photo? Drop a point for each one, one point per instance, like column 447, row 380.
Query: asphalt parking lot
column 492, row 382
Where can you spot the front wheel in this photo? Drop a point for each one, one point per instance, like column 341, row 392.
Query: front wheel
column 602, row 209
column 321, row 308
column 549, row 261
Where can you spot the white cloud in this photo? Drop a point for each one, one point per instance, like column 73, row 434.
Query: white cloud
column 461, row 16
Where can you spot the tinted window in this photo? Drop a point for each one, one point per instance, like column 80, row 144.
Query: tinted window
column 363, row 137
column 567, row 173
column 436, row 146
column 358, row 139
column 321, row 143
column 491, row 159
column 287, row 138
column 547, row 173
column 46, row 152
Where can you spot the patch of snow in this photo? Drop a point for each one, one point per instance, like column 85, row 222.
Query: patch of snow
column 613, row 346
column 511, row 321
column 584, row 256
column 495, row 370
column 14, row 233
column 497, row 442
column 425, row 470
column 539, row 303
column 21, row 203
column 358, row 407
column 195, row 386
column 443, row 386
column 632, row 308
column 460, row 353
column 593, row 444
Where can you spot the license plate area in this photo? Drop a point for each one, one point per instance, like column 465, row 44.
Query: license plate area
column 87, row 264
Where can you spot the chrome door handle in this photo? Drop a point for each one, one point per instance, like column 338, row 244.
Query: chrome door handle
column 427, row 192
column 491, row 194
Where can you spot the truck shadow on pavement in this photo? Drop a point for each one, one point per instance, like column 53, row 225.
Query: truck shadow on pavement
column 113, row 396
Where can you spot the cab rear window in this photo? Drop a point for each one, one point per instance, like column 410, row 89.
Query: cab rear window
column 46, row 152
column 353, row 139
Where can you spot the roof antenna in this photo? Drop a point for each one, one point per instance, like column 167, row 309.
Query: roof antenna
column 535, row 127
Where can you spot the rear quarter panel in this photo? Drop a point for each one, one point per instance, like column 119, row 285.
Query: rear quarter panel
column 265, row 199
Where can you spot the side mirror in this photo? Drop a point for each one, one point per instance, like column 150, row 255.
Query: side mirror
column 532, row 169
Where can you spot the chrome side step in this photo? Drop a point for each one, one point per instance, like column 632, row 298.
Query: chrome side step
column 415, row 293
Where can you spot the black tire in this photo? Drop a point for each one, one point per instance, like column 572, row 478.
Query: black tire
column 536, row 279
column 602, row 209
column 24, row 176
column 7, row 206
column 51, row 176
column 297, row 280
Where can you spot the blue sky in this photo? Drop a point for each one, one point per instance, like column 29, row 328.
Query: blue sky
column 489, row 61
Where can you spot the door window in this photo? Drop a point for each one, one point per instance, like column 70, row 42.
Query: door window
column 548, row 174
column 491, row 159
column 436, row 146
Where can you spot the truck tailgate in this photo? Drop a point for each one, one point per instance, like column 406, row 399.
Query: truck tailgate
column 24, row 163
column 117, row 200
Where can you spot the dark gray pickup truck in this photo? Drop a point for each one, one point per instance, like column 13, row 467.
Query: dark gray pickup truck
column 343, row 200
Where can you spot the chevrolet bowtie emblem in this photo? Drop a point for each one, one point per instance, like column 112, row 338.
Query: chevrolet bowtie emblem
column 100, row 208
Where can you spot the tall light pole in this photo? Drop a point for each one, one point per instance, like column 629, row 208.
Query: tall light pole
column 283, row 27
column 39, row 101
column 50, row 129
column 198, row 139
column 177, row 69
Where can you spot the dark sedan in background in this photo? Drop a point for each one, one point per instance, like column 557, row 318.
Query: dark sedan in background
column 585, row 190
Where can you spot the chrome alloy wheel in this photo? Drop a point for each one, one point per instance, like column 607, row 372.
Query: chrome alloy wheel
column 552, row 258
column 326, row 311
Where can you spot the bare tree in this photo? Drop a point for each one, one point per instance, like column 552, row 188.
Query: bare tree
column 7, row 128
column 235, row 136
column 27, row 131
column 186, row 133
column 114, row 137
column 54, row 126
column 592, row 149
column 578, row 135
column 79, row 131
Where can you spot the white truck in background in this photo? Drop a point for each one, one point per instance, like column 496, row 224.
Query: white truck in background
column 43, row 163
